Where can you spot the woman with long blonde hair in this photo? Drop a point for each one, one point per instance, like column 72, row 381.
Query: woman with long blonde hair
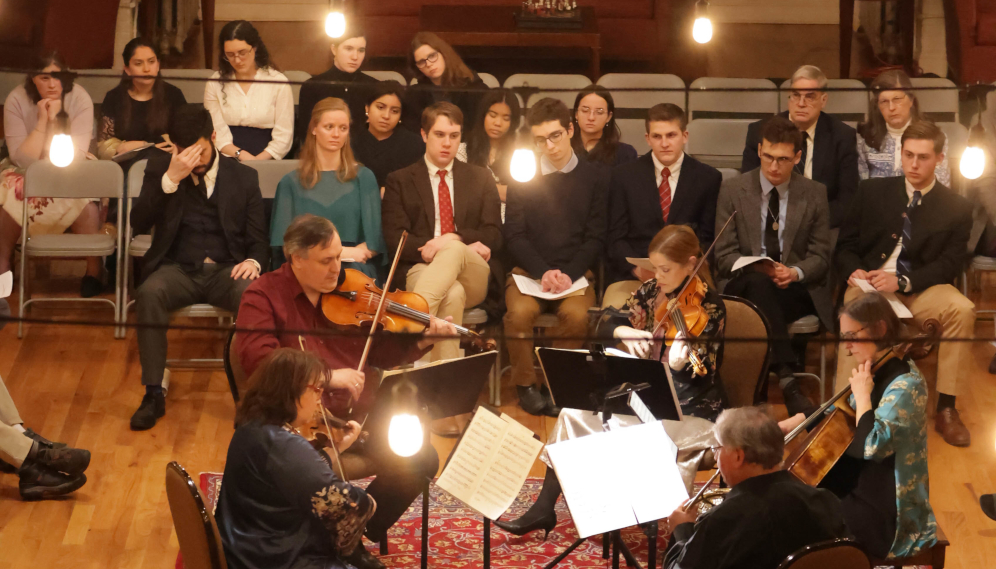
column 330, row 183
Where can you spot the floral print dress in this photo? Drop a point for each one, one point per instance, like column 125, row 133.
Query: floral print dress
column 699, row 396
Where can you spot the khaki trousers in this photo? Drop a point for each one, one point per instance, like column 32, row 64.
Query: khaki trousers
column 455, row 279
column 618, row 293
column 522, row 312
column 957, row 316
column 14, row 446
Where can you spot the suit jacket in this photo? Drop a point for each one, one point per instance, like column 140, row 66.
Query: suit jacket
column 240, row 209
column 941, row 227
column 635, row 215
column 806, row 236
column 408, row 205
column 835, row 161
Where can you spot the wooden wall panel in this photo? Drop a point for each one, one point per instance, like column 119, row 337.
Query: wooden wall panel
column 83, row 31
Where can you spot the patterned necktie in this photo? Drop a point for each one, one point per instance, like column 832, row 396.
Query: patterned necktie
column 771, row 229
column 801, row 166
column 903, row 266
column 445, row 206
column 665, row 192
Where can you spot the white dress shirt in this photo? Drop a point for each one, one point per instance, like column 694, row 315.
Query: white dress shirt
column 810, row 144
column 547, row 167
column 890, row 264
column 783, row 194
column 265, row 105
column 434, row 184
column 674, row 169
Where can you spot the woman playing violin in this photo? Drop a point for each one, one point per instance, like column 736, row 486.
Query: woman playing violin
column 675, row 252
column 882, row 477
column 282, row 503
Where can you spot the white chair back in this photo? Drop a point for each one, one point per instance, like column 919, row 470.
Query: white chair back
column 549, row 85
column 848, row 106
column 8, row 82
column 704, row 102
column 271, row 172
column 489, row 80
column 632, row 106
column 940, row 105
column 386, row 76
column 189, row 81
column 81, row 179
column 718, row 142
column 300, row 76
column 97, row 87
column 729, row 173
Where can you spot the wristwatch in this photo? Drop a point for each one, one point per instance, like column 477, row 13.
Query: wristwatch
column 904, row 283
column 237, row 152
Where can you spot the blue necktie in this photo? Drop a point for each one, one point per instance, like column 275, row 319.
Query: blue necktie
column 903, row 266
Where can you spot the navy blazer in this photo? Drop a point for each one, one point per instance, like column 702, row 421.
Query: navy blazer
column 635, row 214
column 835, row 161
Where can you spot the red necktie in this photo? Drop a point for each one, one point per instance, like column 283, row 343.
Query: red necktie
column 445, row 206
column 665, row 191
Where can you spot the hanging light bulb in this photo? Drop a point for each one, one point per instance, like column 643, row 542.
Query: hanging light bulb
column 973, row 162
column 404, row 435
column 335, row 23
column 61, row 152
column 523, row 165
column 702, row 28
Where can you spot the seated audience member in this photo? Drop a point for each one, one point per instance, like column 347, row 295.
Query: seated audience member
column 382, row 146
column 782, row 215
column 768, row 514
column 342, row 81
column 287, row 299
column 598, row 135
column 829, row 154
column 882, row 477
column 209, row 241
column 282, row 502
column 663, row 187
column 491, row 141
column 909, row 236
column 892, row 106
column 445, row 259
column 330, row 183
column 554, row 233
column 44, row 469
column 137, row 112
column 440, row 75
column 253, row 121
column 29, row 123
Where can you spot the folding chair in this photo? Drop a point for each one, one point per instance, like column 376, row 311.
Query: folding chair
column 705, row 101
column 632, row 106
column 549, row 85
column 718, row 142
column 190, row 82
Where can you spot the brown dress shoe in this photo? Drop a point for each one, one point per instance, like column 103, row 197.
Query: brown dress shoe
column 447, row 427
column 953, row 431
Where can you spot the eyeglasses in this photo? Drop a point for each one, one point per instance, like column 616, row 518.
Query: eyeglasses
column 238, row 56
column 810, row 97
column 781, row 160
column 715, row 448
column 893, row 102
column 540, row 141
column 849, row 336
column 431, row 58
column 588, row 111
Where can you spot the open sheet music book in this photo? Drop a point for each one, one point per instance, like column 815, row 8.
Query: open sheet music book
column 490, row 464
column 619, row 478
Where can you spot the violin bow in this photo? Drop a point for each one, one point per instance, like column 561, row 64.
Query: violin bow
column 383, row 300
column 698, row 265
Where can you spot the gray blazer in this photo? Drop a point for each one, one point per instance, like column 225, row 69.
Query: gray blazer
column 806, row 235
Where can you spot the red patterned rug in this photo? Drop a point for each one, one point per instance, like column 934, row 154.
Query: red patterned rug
column 455, row 539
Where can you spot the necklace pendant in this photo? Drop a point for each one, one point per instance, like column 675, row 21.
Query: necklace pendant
column 774, row 226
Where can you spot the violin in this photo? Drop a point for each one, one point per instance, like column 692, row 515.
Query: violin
column 825, row 445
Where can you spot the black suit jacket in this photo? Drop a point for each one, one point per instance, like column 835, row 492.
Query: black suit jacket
column 408, row 205
column 941, row 227
column 635, row 214
column 835, row 161
column 240, row 209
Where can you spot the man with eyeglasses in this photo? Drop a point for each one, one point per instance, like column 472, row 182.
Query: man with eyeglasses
column 554, row 232
column 908, row 235
column 781, row 215
column 829, row 155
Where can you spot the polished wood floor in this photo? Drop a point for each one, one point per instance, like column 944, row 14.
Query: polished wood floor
column 79, row 385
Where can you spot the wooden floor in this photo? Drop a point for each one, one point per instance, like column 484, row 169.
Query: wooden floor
column 79, row 385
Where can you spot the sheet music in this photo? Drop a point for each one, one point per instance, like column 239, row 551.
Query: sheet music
column 646, row 485
column 490, row 464
column 897, row 305
column 532, row 287
column 744, row 261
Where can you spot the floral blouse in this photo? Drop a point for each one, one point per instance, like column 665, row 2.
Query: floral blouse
column 873, row 163
column 699, row 396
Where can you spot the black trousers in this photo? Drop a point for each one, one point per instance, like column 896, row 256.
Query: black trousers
column 171, row 288
column 781, row 306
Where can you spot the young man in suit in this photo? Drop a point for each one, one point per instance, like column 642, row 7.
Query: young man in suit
column 554, row 232
column 452, row 213
column 908, row 235
column 830, row 152
column 782, row 215
column 210, row 241
column 663, row 186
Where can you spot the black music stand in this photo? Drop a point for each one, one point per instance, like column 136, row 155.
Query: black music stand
column 445, row 389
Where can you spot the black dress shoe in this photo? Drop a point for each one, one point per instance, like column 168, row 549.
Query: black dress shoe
column 91, row 287
column 71, row 461
column 522, row 526
column 152, row 408
column 988, row 503
column 42, row 440
column 551, row 409
column 39, row 483
column 531, row 400
column 796, row 401
column 363, row 559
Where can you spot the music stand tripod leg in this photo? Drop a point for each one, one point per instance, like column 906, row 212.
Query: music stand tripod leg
column 564, row 553
column 619, row 547
column 425, row 525
column 650, row 530
column 487, row 543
